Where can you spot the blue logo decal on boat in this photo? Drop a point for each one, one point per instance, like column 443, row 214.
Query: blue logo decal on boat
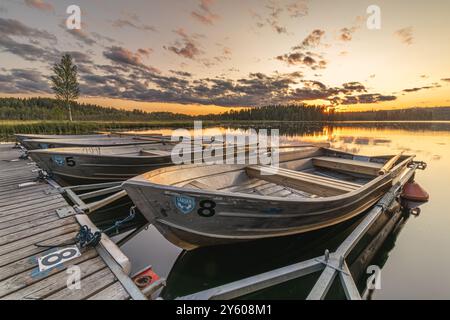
column 272, row 210
column 185, row 204
column 43, row 145
column 58, row 160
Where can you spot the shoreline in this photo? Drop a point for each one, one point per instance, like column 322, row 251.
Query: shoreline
column 9, row 128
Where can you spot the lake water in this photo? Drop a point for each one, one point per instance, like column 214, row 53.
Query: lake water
column 415, row 262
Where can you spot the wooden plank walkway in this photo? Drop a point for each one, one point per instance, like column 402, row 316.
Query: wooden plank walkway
column 28, row 220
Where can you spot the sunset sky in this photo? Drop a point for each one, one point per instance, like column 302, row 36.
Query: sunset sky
column 201, row 56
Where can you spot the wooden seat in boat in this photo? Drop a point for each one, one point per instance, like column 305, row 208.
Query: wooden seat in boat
column 332, row 180
column 263, row 187
column 195, row 184
column 348, row 165
column 310, row 183
column 253, row 186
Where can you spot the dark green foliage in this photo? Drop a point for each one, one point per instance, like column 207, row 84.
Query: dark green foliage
column 65, row 82
column 412, row 114
column 50, row 109
column 276, row 113
column 319, row 113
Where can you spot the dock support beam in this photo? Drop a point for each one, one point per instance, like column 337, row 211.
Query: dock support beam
column 258, row 282
column 322, row 286
column 94, row 190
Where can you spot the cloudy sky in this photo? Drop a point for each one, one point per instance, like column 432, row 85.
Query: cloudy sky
column 200, row 56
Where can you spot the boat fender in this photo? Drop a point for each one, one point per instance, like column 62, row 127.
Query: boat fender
column 414, row 192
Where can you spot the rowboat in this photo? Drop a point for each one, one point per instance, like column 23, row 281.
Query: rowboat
column 102, row 141
column 85, row 165
column 20, row 137
column 99, row 134
column 311, row 188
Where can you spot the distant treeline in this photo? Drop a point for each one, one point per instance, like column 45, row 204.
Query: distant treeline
column 319, row 113
column 411, row 114
column 51, row 109
column 277, row 113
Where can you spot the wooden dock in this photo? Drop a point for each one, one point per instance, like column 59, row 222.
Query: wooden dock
column 30, row 227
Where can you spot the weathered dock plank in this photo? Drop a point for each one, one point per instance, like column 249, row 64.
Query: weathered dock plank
column 31, row 212
column 33, row 249
column 114, row 292
column 40, row 285
column 94, row 283
column 30, row 228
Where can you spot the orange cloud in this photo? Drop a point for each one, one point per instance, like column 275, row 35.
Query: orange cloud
column 40, row 5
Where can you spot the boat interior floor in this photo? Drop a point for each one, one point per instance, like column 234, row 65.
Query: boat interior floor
column 314, row 178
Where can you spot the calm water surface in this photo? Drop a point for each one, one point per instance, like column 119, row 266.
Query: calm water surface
column 415, row 263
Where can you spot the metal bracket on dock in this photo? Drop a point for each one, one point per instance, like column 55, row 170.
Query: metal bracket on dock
column 335, row 262
column 23, row 151
column 65, row 212
column 57, row 190
column 42, row 175
column 421, row 165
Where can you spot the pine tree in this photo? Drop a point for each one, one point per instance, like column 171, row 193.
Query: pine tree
column 65, row 82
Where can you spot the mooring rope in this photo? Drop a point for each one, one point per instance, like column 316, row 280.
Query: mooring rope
column 85, row 238
column 119, row 223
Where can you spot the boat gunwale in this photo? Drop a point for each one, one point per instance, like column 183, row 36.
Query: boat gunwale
column 61, row 151
column 57, row 151
column 75, row 144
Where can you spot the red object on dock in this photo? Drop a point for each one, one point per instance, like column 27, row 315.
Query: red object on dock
column 145, row 278
column 414, row 192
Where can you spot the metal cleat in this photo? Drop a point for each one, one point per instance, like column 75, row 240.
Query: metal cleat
column 65, row 212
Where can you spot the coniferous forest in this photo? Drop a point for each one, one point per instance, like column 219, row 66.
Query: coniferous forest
column 52, row 110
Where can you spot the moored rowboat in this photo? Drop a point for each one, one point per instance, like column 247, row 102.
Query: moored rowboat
column 85, row 165
column 201, row 205
column 20, row 137
column 102, row 141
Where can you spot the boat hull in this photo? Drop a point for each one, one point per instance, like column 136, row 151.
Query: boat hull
column 77, row 166
column 75, row 169
column 238, row 218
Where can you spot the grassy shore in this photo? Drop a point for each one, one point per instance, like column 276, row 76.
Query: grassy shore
column 9, row 128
